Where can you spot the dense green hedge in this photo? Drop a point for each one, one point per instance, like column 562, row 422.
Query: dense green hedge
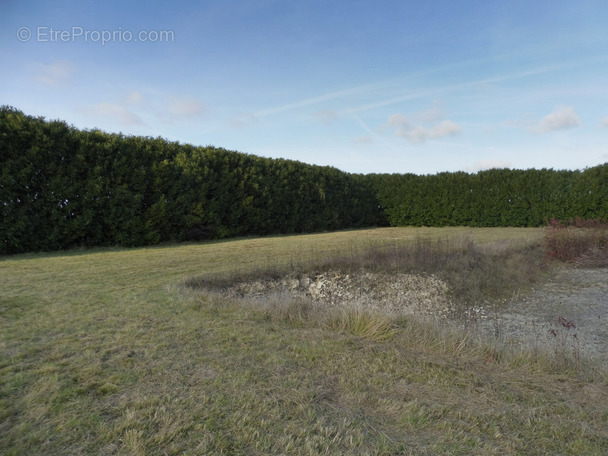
column 61, row 187
column 497, row 197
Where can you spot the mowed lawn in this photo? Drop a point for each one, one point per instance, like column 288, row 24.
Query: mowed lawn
column 105, row 352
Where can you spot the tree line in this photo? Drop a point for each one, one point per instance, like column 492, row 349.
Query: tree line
column 496, row 197
column 61, row 187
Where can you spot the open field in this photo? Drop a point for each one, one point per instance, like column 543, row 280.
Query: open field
column 106, row 352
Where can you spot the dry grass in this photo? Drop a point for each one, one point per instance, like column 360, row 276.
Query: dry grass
column 362, row 323
column 474, row 272
column 580, row 241
column 103, row 352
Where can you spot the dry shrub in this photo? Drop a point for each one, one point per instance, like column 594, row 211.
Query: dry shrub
column 580, row 241
column 473, row 273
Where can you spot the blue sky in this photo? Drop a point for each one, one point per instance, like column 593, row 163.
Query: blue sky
column 382, row 86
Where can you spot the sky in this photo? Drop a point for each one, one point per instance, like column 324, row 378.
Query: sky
column 364, row 86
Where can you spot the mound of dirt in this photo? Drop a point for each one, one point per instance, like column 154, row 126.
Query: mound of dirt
column 394, row 294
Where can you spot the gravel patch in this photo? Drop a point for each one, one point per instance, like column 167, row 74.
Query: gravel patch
column 569, row 310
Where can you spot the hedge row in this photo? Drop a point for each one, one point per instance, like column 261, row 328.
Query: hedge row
column 497, row 197
column 61, row 187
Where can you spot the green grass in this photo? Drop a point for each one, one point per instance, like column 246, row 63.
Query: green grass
column 105, row 352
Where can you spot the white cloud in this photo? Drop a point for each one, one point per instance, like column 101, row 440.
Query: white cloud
column 397, row 120
column 117, row 113
column 445, row 128
column 561, row 118
column 430, row 115
column 605, row 122
column 417, row 134
column 489, row 164
column 57, row 73
column 186, row 107
column 326, row 116
column 243, row 120
column 130, row 109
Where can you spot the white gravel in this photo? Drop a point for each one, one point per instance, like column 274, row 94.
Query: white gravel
column 579, row 296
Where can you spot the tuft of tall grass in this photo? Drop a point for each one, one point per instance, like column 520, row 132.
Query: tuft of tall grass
column 362, row 323
column 293, row 311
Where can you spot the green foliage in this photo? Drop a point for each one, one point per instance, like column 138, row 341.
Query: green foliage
column 62, row 188
column 497, row 197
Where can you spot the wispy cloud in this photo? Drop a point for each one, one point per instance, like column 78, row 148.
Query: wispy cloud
column 605, row 123
column 115, row 112
column 130, row 109
column 135, row 98
column 57, row 73
column 561, row 118
column 320, row 99
column 374, row 91
column 373, row 136
column 185, row 107
column 435, row 91
column 365, row 89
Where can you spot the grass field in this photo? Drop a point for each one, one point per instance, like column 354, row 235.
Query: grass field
column 106, row 352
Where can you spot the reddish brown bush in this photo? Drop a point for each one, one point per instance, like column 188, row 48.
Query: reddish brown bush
column 581, row 241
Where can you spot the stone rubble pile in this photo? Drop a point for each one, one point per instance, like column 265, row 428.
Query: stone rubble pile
column 393, row 294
